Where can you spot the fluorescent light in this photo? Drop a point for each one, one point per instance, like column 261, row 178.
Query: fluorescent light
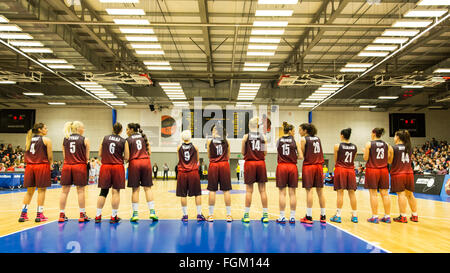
column 169, row 83
column 150, row 52
column 425, row 13
column 267, row 31
column 390, row 40
column 319, row 92
column 7, row 82
column 52, row 61
column 327, row 88
column 86, row 83
column 256, row 64
column 434, row 3
column 106, row 96
column 101, row 92
column 33, row 94
column 16, row 36
column 358, row 64
column 256, row 53
column 388, row 97
column 26, row 43
column 10, row 28
column 373, row 54
column 3, row 19
column 273, row 13
column 156, row 63
column 57, row 103
column 412, row 23
column 332, row 85
column 412, row 86
column 154, row 46
column 159, row 68
column 270, row 23
column 249, row 88
column 36, row 50
column 264, row 40
column 61, row 66
column 381, row 47
column 314, row 99
column 96, row 89
column 141, row 38
column 131, row 21
column 367, row 106
column 278, row 2
column 125, row 11
column 137, row 30
column 442, row 70
column 304, row 104
column 265, row 47
column 255, row 68
column 395, row 32
column 119, row 1
column 251, row 84
column 114, row 101
column 346, row 69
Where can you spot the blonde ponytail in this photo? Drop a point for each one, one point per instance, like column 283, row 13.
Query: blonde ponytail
column 67, row 129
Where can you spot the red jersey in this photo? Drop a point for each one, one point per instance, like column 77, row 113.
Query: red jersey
column 313, row 151
column 254, row 147
column 38, row 151
column 74, row 150
column 346, row 155
column 378, row 154
column 113, row 147
column 138, row 150
column 401, row 163
column 188, row 160
column 287, row 150
column 218, row 150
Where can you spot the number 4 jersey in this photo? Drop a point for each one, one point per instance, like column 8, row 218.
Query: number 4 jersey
column 138, row 149
column 74, row 150
column 401, row 163
column 378, row 155
column 346, row 155
column 112, row 149
column 37, row 154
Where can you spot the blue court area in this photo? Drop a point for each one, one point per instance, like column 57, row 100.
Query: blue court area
column 174, row 236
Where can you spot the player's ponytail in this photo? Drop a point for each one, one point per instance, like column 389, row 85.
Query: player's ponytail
column 31, row 132
column 68, row 129
column 117, row 128
column 405, row 137
column 287, row 127
column 378, row 132
column 346, row 133
column 144, row 137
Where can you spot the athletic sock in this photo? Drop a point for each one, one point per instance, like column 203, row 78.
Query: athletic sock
column 199, row 209
column 114, row 213
column 40, row 209
column 323, row 211
column 24, row 208
column 387, row 216
column 247, row 210
column 211, row 210
column 414, row 214
column 228, row 208
column 82, row 210
column 292, row 213
column 99, row 212
column 265, row 210
column 374, row 216
column 282, row 214
column 338, row 212
column 403, row 214
column 354, row 213
column 135, row 206
column 184, row 209
column 151, row 205
column 62, row 211
column 309, row 212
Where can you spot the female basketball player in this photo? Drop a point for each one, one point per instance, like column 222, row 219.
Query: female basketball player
column 113, row 151
column 377, row 174
column 287, row 172
column 188, row 181
column 312, row 170
column 402, row 175
column 39, row 158
column 139, row 169
column 219, row 170
column 344, row 174
column 254, row 151
column 74, row 172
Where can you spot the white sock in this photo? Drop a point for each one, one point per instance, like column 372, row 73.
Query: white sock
column 62, row 211
column 114, row 213
column 387, row 216
column 135, row 206
column 354, row 213
column 82, row 210
column 247, row 210
column 40, row 209
column 282, row 214
column 99, row 212
column 211, row 210
column 24, row 207
column 199, row 209
column 338, row 212
column 228, row 208
column 414, row 214
column 184, row 209
column 323, row 211
column 265, row 210
column 151, row 205
column 309, row 212
column 292, row 213
column 403, row 214
column 374, row 216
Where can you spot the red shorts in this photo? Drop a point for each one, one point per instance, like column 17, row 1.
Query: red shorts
column 255, row 171
column 37, row 175
column 402, row 181
column 377, row 179
column 344, row 179
column 219, row 173
column 312, row 176
column 112, row 175
column 74, row 175
column 140, row 173
column 188, row 184
column 287, row 175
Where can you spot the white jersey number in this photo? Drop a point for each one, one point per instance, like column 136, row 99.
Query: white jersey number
column 380, row 153
column 32, row 150
column 112, row 148
column 316, row 147
column 348, row 157
column 139, row 144
column 187, row 156
column 219, row 150
column 256, row 145
column 405, row 158
column 72, row 147
column 286, row 149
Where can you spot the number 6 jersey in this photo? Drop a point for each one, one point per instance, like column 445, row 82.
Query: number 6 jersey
column 378, row 155
column 138, row 148
column 112, row 149
column 346, row 155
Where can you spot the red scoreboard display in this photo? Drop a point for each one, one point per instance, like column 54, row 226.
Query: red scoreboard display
column 16, row 120
column 414, row 123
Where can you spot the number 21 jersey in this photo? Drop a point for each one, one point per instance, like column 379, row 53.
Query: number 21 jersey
column 346, row 155
column 378, row 155
column 138, row 149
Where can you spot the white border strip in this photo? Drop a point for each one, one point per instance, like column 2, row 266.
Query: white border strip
column 27, row 229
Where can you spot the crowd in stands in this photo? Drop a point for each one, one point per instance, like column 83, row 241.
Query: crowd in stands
column 11, row 158
column 432, row 158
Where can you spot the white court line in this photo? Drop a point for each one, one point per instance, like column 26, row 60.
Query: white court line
column 27, row 229
column 348, row 232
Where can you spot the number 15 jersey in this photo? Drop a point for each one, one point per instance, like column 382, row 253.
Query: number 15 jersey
column 287, row 150
column 346, row 155
column 138, row 149
column 378, row 155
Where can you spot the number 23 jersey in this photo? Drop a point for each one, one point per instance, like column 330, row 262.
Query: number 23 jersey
column 137, row 146
column 188, row 160
column 378, row 154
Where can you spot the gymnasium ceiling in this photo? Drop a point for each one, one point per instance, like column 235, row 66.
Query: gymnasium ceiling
column 206, row 46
